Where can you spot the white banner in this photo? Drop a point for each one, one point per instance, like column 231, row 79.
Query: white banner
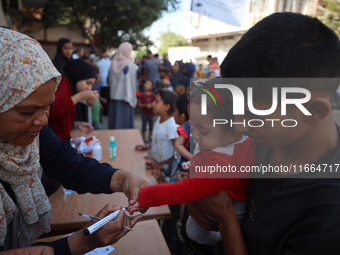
column 228, row 11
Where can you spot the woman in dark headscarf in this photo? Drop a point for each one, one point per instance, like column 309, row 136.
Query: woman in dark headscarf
column 82, row 77
column 177, row 74
column 63, row 54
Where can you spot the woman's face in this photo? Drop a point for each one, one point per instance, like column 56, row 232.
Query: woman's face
column 85, row 84
column 67, row 49
column 175, row 68
column 21, row 124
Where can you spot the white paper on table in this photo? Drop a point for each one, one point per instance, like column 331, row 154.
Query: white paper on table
column 101, row 251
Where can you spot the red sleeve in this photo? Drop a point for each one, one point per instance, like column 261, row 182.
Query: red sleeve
column 181, row 131
column 63, row 103
column 187, row 191
column 192, row 189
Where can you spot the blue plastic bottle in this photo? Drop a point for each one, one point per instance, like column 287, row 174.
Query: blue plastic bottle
column 113, row 149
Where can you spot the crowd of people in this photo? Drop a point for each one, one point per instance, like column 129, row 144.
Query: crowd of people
column 246, row 214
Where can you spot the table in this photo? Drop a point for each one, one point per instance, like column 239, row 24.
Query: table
column 65, row 208
column 146, row 238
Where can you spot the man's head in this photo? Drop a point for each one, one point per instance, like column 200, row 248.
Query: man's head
column 80, row 52
column 286, row 45
column 149, row 54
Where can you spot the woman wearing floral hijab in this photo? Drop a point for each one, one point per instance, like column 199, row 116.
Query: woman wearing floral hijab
column 123, row 84
column 28, row 81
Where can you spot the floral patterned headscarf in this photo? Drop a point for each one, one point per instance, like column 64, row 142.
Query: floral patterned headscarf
column 24, row 66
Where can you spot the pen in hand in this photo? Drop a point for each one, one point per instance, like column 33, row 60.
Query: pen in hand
column 89, row 216
column 101, row 222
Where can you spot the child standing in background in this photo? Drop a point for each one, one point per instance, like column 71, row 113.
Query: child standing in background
column 96, row 109
column 145, row 102
column 164, row 133
column 182, row 145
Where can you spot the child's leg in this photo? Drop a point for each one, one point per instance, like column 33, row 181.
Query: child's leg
column 150, row 126
column 200, row 234
column 144, row 121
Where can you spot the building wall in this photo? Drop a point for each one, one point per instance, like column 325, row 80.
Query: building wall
column 213, row 36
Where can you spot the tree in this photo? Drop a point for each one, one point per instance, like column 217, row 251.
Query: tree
column 108, row 22
column 330, row 14
column 170, row 39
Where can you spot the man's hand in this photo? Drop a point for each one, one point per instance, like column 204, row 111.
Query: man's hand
column 221, row 207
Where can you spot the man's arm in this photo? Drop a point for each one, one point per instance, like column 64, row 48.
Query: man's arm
column 221, row 207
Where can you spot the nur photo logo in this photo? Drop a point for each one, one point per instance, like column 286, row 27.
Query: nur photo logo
column 281, row 97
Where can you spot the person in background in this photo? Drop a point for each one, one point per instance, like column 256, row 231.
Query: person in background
column 211, row 75
column 142, row 73
column 79, row 53
column 96, row 109
column 27, row 142
column 123, row 84
column 177, row 74
column 166, row 63
column 82, row 77
column 152, row 66
column 63, row 54
column 145, row 102
column 92, row 57
column 156, row 58
column 214, row 66
column 181, row 88
column 104, row 64
column 164, row 135
column 189, row 71
column 200, row 71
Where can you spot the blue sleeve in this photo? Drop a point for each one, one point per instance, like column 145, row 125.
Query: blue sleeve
column 61, row 161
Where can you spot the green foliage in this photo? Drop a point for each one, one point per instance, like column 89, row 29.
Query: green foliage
column 141, row 53
column 170, row 39
column 111, row 22
column 330, row 15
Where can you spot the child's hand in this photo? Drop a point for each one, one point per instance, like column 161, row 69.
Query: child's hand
column 151, row 163
column 181, row 176
column 142, row 147
column 135, row 208
column 158, row 175
column 149, row 106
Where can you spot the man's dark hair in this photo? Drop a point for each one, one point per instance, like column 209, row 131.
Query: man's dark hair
column 168, row 97
column 286, row 45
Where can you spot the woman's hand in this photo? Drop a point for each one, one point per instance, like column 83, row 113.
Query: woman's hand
column 79, row 243
column 84, row 126
column 89, row 95
column 129, row 183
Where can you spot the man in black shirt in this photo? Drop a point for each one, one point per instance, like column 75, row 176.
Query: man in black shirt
column 294, row 211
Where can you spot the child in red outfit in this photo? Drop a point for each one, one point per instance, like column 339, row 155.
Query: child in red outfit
column 145, row 102
column 215, row 146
